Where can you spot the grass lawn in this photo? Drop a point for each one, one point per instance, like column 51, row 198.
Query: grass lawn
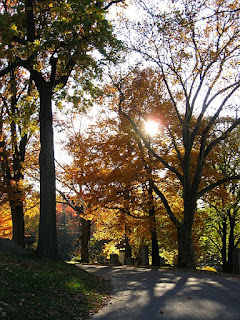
column 38, row 288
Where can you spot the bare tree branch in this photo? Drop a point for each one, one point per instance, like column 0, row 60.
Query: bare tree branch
column 216, row 184
column 111, row 3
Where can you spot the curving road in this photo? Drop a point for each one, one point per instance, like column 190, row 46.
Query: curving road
column 149, row 294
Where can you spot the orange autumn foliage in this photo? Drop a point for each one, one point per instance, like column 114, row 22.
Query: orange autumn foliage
column 5, row 222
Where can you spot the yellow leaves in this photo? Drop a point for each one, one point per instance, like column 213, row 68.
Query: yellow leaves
column 13, row 27
column 110, row 248
column 36, row 42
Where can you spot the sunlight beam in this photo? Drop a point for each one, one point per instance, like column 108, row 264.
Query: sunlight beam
column 151, row 127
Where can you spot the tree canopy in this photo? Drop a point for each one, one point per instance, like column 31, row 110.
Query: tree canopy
column 180, row 77
column 194, row 51
column 54, row 40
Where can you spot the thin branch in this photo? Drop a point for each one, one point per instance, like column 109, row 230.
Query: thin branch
column 127, row 212
column 237, row 243
column 147, row 145
column 77, row 209
column 222, row 137
column 180, row 158
column 217, row 246
column 216, row 184
column 139, row 133
column 111, row 3
column 166, row 205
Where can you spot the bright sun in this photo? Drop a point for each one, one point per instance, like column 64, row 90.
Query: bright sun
column 151, row 127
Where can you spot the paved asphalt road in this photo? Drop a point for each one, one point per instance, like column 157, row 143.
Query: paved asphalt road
column 149, row 294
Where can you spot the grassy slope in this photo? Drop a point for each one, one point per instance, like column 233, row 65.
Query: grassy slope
column 37, row 288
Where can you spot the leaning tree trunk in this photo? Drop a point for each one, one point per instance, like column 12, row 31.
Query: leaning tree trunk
column 47, row 243
column 185, row 247
column 84, row 238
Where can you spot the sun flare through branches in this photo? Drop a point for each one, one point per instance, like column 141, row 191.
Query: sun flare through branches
column 151, row 127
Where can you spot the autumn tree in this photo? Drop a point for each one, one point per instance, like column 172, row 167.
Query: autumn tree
column 109, row 174
column 221, row 234
column 71, row 189
column 222, row 226
column 114, row 173
column 18, row 109
column 193, row 47
column 54, row 41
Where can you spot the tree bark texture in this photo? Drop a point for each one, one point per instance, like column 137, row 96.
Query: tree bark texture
column 224, row 246
column 16, row 204
column 17, row 222
column 155, row 249
column 128, row 249
column 47, row 243
column 231, row 244
column 84, row 238
column 231, row 248
column 153, row 229
column 185, row 247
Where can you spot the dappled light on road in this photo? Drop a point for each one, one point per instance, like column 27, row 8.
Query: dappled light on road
column 144, row 294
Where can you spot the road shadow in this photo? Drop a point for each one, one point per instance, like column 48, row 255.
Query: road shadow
column 145, row 294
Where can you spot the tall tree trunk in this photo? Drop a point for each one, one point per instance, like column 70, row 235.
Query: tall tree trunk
column 231, row 245
column 185, row 246
column 153, row 229
column 155, row 249
column 47, row 243
column 17, row 222
column 128, row 248
column 84, row 238
column 17, row 205
column 12, row 172
column 224, row 246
